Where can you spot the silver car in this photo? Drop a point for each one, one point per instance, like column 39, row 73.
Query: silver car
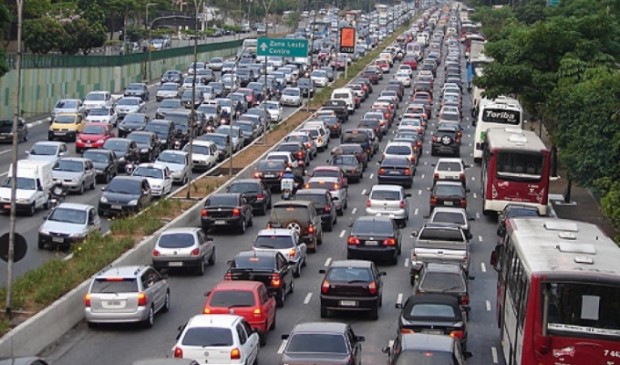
column 68, row 223
column 130, row 104
column 339, row 192
column 285, row 241
column 389, row 201
column 291, row 96
column 75, row 174
column 49, row 151
column 186, row 248
column 67, row 106
column 178, row 163
column 126, row 294
column 168, row 90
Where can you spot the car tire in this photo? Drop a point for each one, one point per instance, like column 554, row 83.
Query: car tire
column 212, row 258
column 324, row 312
column 291, row 290
column 82, row 188
column 280, row 298
column 251, row 221
column 166, row 306
column 273, row 324
column 150, row 318
column 297, row 272
column 32, row 210
column 329, row 226
column 374, row 314
column 93, row 186
column 91, row 325
column 200, row 270
column 262, row 339
column 243, row 226
column 40, row 245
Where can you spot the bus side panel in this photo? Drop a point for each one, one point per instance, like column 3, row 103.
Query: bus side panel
column 533, row 322
column 509, row 336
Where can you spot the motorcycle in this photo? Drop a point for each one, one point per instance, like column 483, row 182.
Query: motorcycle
column 130, row 166
column 57, row 195
column 287, row 186
column 178, row 139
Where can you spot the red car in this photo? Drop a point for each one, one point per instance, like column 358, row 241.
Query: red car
column 330, row 171
column 93, row 135
column 411, row 61
column 248, row 299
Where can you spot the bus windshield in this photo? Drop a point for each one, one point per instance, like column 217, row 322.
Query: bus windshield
column 517, row 166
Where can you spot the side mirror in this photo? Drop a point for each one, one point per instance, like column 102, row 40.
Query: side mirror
column 466, row 166
column 322, row 271
column 103, row 188
column 27, row 152
column 467, row 354
column 335, row 199
column 382, row 273
column 414, row 233
column 207, row 293
column 164, row 273
column 386, row 350
column 284, row 337
column 360, row 338
column 209, row 239
column 408, row 195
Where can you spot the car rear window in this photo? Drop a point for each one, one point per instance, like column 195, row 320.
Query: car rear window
column 317, row 343
column 385, row 195
column 244, row 188
column 229, row 298
column 176, row 240
column 425, row 357
column 354, row 138
column 448, row 217
column 348, row 274
column 441, row 234
column 325, row 173
column 287, row 213
column 114, row 285
column 255, row 262
column 429, row 310
column 442, row 282
column 398, row 150
column 369, row 227
column 448, row 190
column 230, row 200
column 449, row 166
column 274, row 241
column 208, row 337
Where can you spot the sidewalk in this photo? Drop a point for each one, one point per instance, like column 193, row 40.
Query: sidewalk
column 583, row 206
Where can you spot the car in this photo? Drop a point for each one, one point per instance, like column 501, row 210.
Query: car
column 441, row 243
column 356, row 150
column 97, row 99
column 350, row 164
column 125, row 150
column 425, row 348
column 338, row 191
column 235, row 135
column 448, row 194
column 178, row 163
column 47, row 151
column 402, row 149
column 185, row 248
column 330, row 171
column 189, row 95
column 66, row 224
column 298, row 215
column 102, row 115
column 446, row 140
column 352, row 285
column 124, row 194
column 323, row 342
column 93, row 135
column 158, row 176
column 443, row 278
column 138, row 89
column 270, row 172
column 132, row 122
column 126, row 294
column 172, row 76
column 167, row 105
column 434, row 314
column 389, row 201
column 218, row 339
column 374, row 238
column 253, row 190
column 168, row 90
column 404, row 78
column 6, row 130
column 105, row 163
column 319, row 78
column 304, row 138
column 129, row 105
column 148, row 144
column 164, row 130
column 291, row 96
column 332, row 123
column 65, row 127
column 323, row 204
column 285, row 241
column 67, row 106
column 452, row 215
column 297, row 149
column 204, row 154
column 216, row 63
column 396, row 171
column 274, row 109
column 75, row 174
column 514, row 210
column 226, row 209
column 23, row 360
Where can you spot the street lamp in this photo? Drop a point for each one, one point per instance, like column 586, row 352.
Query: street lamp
column 148, row 41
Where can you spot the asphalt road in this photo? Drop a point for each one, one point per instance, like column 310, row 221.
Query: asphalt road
column 123, row 344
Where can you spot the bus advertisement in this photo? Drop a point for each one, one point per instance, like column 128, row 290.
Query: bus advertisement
column 558, row 293
column 515, row 169
column 492, row 113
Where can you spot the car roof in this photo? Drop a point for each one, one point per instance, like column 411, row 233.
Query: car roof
column 313, row 191
column 434, row 298
column 427, row 342
column 320, row 327
column 351, row 263
column 129, row 178
column 199, row 142
column 387, row 187
column 129, row 271
column 71, row 158
column 75, row 206
column 451, row 183
column 275, row 232
column 181, row 230
column 49, row 143
column 447, row 159
column 444, row 267
column 236, row 284
column 441, row 209
column 213, row 320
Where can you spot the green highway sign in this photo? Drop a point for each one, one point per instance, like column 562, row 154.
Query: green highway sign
column 283, row 47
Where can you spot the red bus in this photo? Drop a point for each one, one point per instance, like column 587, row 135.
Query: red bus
column 515, row 169
column 558, row 293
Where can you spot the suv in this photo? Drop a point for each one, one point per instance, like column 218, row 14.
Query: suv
column 450, row 169
column 323, row 203
column 298, row 215
column 446, row 140
column 439, row 242
column 126, row 294
column 285, row 241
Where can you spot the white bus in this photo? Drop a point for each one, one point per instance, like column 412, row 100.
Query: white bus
column 493, row 113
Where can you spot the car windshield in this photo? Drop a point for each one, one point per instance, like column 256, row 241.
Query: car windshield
column 208, row 109
column 449, row 166
column 171, row 158
column 116, row 145
column 134, row 87
column 290, row 92
column 135, row 120
column 176, row 240
column 319, row 200
column 274, row 241
column 97, row 112
column 114, row 285
column 370, row 227
column 208, row 337
column 67, row 104
column 170, row 104
column 396, row 162
column 450, row 235
column 325, row 173
column 385, row 195
column 68, row 215
column 198, row 149
column 93, row 129
column 95, row 97
column 129, row 101
column 122, row 186
column 43, row 150
column 317, row 343
column 219, row 140
column 69, row 165
column 435, row 310
column 450, row 116
column 152, row 172
column 255, row 262
column 227, row 200
column 232, row 298
column 140, row 138
column 159, row 129
column 442, row 282
column 95, row 156
column 64, row 119
column 22, row 183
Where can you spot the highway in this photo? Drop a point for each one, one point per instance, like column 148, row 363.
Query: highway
column 120, row 345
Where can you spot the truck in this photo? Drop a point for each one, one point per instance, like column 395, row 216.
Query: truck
column 34, row 182
column 440, row 243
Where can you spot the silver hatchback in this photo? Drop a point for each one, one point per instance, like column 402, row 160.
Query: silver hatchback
column 186, row 248
column 126, row 294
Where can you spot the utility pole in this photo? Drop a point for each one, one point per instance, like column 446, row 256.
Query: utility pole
column 312, row 26
column 14, row 156
column 148, row 42
column 192, row 117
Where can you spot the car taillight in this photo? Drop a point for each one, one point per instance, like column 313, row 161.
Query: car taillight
column 311, row 229
column 195, row 252
column 463, row 203
column 389, row 242
column 382, row 123
column 324, row 286
column 87, row 300
column 435, row 176
column 433, row 200
column 203, row 213
column 281, row 173
column 228, row 276
column 407, row 172
column 142, row 299
column 156, row 253
column 381, row 171
column 260, row 196
column 178, row 353
column 308, row 145
column 435, row 139
column 462, row 177
column 300, row 154
column 291, row 253
column 368, row 203
column 235, row 354
column 372, row 288
column 406, row 330
column 464, row 300
column 258, row 175
column 236, row 212
column 456, row 334
column 402, row 204
column 353, row 241
column 257, row 313
column 327, row 209
column 276, row 281
column 206, row 310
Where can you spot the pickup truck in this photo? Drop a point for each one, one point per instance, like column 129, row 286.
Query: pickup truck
column 441, row 243
column 338, row 106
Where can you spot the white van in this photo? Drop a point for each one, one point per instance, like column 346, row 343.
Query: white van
column 345, row 94
column 34, row 181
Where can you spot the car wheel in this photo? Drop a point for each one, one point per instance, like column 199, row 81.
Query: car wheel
column 200, row 270
column 212, row 258
column 166, row 306
column 262, row 339
column 243, row 226
column 106, row 178
column 40, row 245
column 273, row 324
column 150, row 319
column 374, row 314
column 82, row 188
column 297, row 272
column 329, row 226
column 93, row 186
column 291, row 290
column 324, row 312
column 32, row 209
column 280, row 298
column 251, row 221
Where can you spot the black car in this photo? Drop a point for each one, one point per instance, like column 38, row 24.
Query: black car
column 297, row 149
column 434, row 314
column 448, row 194
column 138, row 89
column 132, row 122
column 125, row 194
column 254, row 191
column 105, row 162
column 6, row 131
column 226, row 210
column 352, row 285
column 356, row 150
column 172, row 76
column 449, row 279
column 267, row 266
column 333, row 124
column 446, row 140
column 397, row 171
column 148, row 144
column 307, row 87
column 350, row 164
column 164, row 129
column 374, row 238
column 270, row 172
column 245, row 76
column 125, row 149
column 356, row 136
column 374, row 124
column 514, row 210
column 423, row 348
column 323, row 204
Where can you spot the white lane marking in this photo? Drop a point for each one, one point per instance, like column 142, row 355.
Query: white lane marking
column 419, row 192
column 475, row 196
column 471, row 145
column 328, row 261
column 364, row 192
column 391, row 343
column 353, row 211
column 416, row 211
column 282, row 346
column 422, row 177
column 407, row 262
column 494, row 354
column 425, row 163
column 477, row 215
column 4, row 173
column 428, row 152
column 479, row 238
column 469, row 136
column 488, row 304
column 483, row 267
column 399, row 298
column 342, row 233
column 473, row 178
column 309, row 296
column 5, row 151
column 372, row 175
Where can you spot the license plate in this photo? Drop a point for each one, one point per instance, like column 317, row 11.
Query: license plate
column 60, row 133
column 433, row 332
column 175, row 264
column 89, row 144
column 7, row 206
column 117, row 207
column 448, row 203
column 58, row 239
column 371, row 243
column 220, row 222
column 348, row 303
column 113, row 304
column 394, row 173
column 270, row 175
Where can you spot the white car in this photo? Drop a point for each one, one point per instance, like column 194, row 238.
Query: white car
column 130, row 104
column 320, row 78
column 291, row 96
column 97, row 99
column 285, row 241
column 168, row 90
column 49, row 151
column 452, row 169
column 401, row 149
column 158, row 176
column 319, row 136
column 216, row 63
column 199, row 65
column 218, row 339
column 283, row 156
column 178, row 163
column 102, row 115
column 204, row 154
column 404, row 78
column 389, row 201
column 405, row 69
column 274, row 109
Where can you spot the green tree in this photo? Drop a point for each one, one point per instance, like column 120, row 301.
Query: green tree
column 41, row 35
column 4, row 19
column 91, row 35
column 292, row 20
column 531, row 11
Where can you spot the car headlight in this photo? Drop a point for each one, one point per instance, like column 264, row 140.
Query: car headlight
column 122, row 159
column 175, row 173
column 156, row 186
column 23, row 200
column 44, row 231
column 103, row 199
column 133, row 202
column 77, row 235
column 75, row 179
column 144, row 150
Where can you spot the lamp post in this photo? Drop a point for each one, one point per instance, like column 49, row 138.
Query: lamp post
column 148, row 43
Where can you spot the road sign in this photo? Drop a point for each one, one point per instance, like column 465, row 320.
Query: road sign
column 553, row 2
column 283, row 47
column 347, row 40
